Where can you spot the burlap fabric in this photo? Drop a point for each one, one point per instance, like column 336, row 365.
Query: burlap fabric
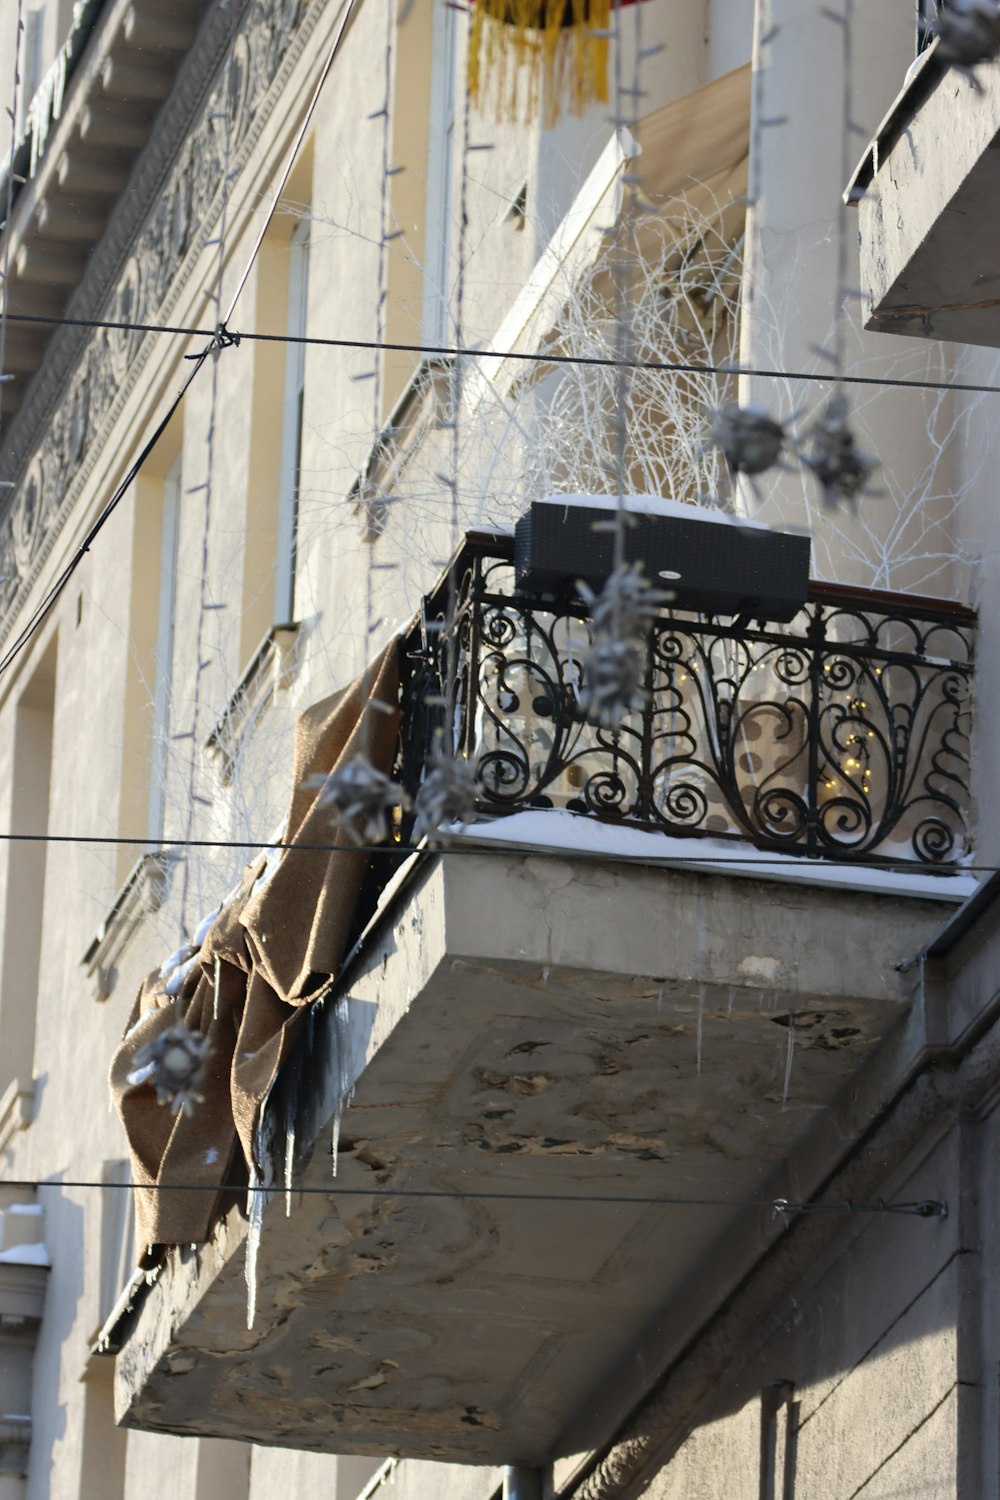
column 268, row 950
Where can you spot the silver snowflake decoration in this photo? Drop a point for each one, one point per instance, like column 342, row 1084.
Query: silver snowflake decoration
column 613, row 681
column 627, row 605
column 831, row 453
column 750, row 440
column 175, row 1063
column 448, row 794
column 360, row 798
column 968, row 33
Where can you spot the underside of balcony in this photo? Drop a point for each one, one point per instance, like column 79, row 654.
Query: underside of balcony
column 527, row 1059
column 928, row 192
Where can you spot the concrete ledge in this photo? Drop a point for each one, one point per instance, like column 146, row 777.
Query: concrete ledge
column 929, row 220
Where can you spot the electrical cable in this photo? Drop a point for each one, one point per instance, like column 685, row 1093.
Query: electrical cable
column 452, row 351
column 761, row 855
column 42, row 609
column 219, row 338
column 923, row 1208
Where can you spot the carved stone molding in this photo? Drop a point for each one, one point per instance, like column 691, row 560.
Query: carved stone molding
column 143, row 892
column 239, row 66
column 269, row 673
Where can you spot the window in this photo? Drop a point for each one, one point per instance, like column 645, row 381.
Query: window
column 31, row 59
column 117, row 1236
column 154, row 515
column 291, row 437
column 164, row 651
column 440, row 173
column 34, row 719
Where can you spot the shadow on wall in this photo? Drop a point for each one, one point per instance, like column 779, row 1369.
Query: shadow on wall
column 64, row 1226
column 835, row 1361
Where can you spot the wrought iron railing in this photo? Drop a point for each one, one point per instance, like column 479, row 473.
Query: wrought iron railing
column 842, row 735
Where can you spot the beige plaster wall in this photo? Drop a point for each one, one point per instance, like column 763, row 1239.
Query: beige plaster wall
column 103, row 625
column 800, row 167
column 869, row 1343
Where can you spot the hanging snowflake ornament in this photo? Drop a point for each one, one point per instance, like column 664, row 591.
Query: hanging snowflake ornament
column 749, row 439
column 448, row 794
column 613, row 681
column 175, row 1063
column 831, row 453
column 360, row 798
column 627, row 605
column 968, row 33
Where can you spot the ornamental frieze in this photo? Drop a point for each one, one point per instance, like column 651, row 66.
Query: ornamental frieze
column 87, row 374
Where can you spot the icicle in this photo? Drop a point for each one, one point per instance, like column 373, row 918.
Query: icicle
column 255, row 1216
column 345, row 1088
column 215, row 988
column 701, row 1017
column 257, row 1192
column 289, row 1160
column 788, row 1061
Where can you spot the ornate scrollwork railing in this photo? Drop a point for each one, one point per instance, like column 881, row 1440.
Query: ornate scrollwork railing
column 842, row 735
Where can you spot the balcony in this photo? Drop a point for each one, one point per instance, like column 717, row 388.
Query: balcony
column 532, row 1137
column 928, row 190
column 85, row 129
column 842, row 735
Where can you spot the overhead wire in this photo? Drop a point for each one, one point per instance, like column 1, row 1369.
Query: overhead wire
column 542, row 357
column 219, row 338
column 46, row 604
column 924, row 1208
column 444, row 846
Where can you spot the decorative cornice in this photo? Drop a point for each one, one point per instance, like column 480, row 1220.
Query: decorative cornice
column 143, row 892
column 269, row 673
column 146, row 257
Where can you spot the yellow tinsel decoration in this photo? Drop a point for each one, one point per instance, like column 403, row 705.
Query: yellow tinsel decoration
column 539, row 46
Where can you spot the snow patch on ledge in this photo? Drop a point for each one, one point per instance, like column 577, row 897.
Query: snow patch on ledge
column 656, row 505
column 25, row 1255
column 543, row 830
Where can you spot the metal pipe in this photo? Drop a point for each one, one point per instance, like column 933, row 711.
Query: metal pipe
column 522, row 1483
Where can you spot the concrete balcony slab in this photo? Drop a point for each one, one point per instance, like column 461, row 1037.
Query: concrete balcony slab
column 928, row 192
column 529, row 1057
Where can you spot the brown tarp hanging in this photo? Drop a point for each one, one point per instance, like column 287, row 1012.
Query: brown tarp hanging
column 270, row 942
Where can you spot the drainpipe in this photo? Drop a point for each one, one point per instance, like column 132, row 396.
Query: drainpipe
column 522, row 1483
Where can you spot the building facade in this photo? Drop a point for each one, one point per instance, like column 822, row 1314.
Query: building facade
column 637, row 1139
